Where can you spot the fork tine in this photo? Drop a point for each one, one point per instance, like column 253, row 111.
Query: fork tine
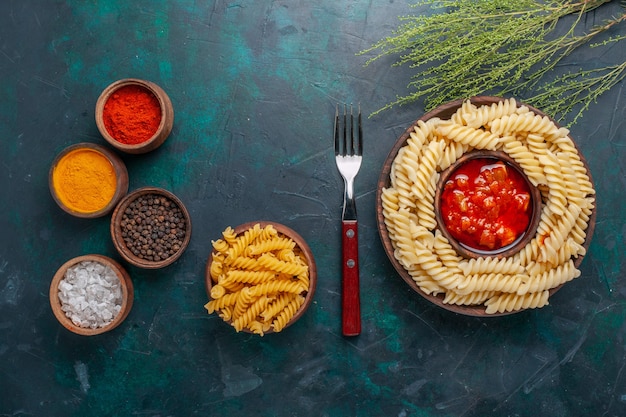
column 337, row 150
column 352, row 145
column 345, row 130
column 360, row 132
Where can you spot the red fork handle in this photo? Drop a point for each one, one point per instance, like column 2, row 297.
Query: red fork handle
column 351, row 299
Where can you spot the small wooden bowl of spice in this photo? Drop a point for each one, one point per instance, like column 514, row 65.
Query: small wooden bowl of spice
column 91, row 294
column 87, row 180
column 260, row 277
column 134, row 116
column 151, row 228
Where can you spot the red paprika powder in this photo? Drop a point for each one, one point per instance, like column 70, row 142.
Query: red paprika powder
column 132, row 114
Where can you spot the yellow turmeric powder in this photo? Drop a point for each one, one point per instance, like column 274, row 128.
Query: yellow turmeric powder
column 84, row 180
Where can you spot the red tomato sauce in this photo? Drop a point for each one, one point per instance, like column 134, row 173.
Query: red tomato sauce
column 485, row 204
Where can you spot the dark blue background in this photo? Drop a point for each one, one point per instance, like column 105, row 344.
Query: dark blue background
column 254, row 86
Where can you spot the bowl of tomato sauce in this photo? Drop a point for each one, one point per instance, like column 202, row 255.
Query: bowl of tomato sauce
column 485, row 205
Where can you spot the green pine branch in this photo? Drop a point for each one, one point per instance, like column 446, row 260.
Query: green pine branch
column 501, row 47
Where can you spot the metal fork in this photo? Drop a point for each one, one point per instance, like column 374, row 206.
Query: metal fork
column 348, row 156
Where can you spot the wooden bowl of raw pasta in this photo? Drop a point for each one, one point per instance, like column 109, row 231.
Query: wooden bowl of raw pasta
column 260, row 277
column 409, row 218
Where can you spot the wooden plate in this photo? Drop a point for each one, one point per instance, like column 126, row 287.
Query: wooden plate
column 445, row 111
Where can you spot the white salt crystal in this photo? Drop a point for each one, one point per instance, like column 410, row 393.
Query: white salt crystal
column 90, row 294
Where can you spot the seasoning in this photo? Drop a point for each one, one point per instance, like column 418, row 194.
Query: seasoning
column 153, row 227
column 90, row 294
column 84, row 180
column 132, row 114
column 486, row 204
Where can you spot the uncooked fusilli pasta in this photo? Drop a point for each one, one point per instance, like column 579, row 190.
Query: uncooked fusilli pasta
column 550, row 160
column 259, row 279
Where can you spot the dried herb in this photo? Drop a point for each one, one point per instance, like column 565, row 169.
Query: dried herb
column 504, row 47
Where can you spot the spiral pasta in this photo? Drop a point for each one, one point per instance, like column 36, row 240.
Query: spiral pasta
column 229, row 236
column 549, row 279
column 270, row 245
column 472, row 298
column 446, row 253
column 491, row 265
column 241, row 262
column 550, row 160
column 241, row 243
column 489, row 282
column 557, row 194
column 484, row 115
column 525, row 122
column 217, row 267
column 230, row 285
column 275, row 307
column 451, row 152
column 277, row 287
column 287, row 313
column 243, row 302
column 249, row 277
column 222, row 302
column 476, row 138
column 260, row 279
column 250, row 313
column 272, row 263
column 510, row 302
column 527, row 160
column 427, row 167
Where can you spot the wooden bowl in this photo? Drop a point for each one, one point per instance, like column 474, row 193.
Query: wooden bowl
column 135, row 145
column 444, row 112
column 89, row 201
column 126, row 288
column 303, row 249
column 521, row 240
column 157, row 228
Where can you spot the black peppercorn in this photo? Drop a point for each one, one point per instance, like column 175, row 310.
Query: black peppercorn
column 153, row 227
